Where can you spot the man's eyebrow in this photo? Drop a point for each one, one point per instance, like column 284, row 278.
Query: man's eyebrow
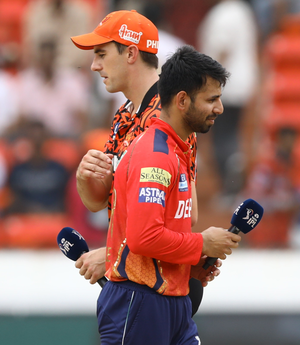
column 98, row 50
column 215, row 96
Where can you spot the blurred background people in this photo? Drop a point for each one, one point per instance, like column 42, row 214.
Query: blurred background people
column 168, row 42
column 228, row 33
column 275, row 183
column 258, row 41
column 9, row 109
column 58, row 97
column 57, row 20
column 44, row 79
column 37, row 183
column 35, row 189
column 269, row 14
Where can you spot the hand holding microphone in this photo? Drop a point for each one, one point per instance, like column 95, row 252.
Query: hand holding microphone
column 73, row 245
column 245, row 218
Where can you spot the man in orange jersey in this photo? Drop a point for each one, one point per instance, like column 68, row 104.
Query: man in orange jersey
column 125, row 45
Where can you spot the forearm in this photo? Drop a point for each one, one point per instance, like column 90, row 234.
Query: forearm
column 94, row 193
column 163, row 244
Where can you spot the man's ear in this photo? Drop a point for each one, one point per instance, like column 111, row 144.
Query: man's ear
column 182, row 100
column 132, row 53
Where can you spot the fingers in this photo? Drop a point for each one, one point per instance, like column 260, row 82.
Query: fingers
column 91, row 265
column 93, row 279
column 215, row 272
column 79, row 263
column 83, row 267
column 217, row 242
column 218, row 263
column 86, row 271
column 95, row 164
column 235, row 238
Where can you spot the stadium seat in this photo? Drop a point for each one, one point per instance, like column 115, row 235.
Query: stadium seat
column 283, row 115
column 11, row 16
column 95, row 139
column 283, row 52
column 284, row 87
column 32, row 230
column 65, row 151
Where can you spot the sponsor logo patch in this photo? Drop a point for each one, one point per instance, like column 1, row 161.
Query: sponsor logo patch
column 129, row 35
column 152, row 195
column 157, row 175
column 183, row 185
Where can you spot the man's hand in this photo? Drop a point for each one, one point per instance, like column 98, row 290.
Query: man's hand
column 208, row 275
column 94, row 179
column 92, row 264
column 95, row 164
column 217, row 242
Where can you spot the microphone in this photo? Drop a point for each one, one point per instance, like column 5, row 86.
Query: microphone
column 73, row 245
column 245, row 218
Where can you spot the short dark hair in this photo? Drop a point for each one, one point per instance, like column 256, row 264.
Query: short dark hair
column 187, row 70
column 150, row 59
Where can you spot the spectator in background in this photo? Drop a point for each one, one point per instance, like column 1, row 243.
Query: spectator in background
column 270, row 12
column 9, row 109
column 275, row 183
column 168, row 42
column 58, row 97
column 37, row 184
column 228, row 34
column 93, row 225
column 184, row 17
column 3, row 172
column 58, row 20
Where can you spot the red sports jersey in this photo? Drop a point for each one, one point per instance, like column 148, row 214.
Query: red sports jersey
column 149, row 238
column 126, row 127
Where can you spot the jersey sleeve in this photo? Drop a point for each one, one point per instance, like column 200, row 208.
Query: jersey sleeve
column 150, row 181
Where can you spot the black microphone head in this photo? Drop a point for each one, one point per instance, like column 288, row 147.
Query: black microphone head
column 71, row 243
column 247, row 215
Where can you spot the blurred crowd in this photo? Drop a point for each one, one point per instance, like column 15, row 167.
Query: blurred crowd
column 53, row 109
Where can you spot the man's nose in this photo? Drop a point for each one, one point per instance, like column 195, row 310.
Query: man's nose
column 96, row 66
column 218, row 109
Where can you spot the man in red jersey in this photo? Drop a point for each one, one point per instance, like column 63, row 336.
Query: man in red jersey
column 127, row 62
column 151, row 250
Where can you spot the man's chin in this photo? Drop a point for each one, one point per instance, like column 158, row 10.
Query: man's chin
column 205, row 130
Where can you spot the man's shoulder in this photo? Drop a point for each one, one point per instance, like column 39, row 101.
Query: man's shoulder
column 154, row 141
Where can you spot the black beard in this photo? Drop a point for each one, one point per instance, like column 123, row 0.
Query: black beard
column 191, row 120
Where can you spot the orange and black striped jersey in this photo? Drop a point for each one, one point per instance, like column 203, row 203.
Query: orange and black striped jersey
column 126, row 126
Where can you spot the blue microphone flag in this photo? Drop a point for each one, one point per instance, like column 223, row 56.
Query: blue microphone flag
column 247, row 215
column 71, row 243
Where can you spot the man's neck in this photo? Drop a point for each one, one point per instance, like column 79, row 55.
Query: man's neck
column 175, row 122
column 138, row 87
